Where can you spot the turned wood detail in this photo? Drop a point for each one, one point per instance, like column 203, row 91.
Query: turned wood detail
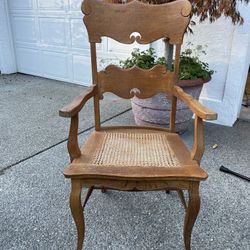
column 95, row 81
column 136, row 20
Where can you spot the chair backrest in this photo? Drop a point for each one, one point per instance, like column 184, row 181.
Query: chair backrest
column 127, row 23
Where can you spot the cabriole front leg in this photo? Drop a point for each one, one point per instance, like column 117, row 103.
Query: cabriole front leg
column 191, row 213
column 77, row 211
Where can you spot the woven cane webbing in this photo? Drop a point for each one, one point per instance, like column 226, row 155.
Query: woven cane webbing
column 138, row 150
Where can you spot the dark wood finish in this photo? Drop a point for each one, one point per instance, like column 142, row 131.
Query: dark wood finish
column 136, row 21
column 119, row 21
column 73, row 148
column 173, row 114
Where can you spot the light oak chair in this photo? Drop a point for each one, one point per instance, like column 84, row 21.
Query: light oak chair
column 133, row 158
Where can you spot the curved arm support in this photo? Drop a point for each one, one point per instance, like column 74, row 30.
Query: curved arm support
column 72, row 110
column 198, row 146
column 201, row 112
column 73, row 147
column 77, row 104
column 194, row 105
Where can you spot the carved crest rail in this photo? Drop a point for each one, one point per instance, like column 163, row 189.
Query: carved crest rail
column 139, row 17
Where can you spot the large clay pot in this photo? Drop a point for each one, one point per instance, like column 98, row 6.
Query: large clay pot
column 155, row 111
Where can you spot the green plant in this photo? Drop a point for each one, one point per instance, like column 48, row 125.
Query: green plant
column 142, row 59
column 191, row 67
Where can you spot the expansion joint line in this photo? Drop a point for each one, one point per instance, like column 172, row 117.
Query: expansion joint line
column 58, row 143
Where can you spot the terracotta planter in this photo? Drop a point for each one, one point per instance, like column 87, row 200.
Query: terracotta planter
column 155, row 111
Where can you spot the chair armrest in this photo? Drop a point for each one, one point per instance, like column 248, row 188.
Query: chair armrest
column 194, row 105
column 77, row 104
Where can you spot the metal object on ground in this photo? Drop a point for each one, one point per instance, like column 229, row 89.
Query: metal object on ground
column 226, row 170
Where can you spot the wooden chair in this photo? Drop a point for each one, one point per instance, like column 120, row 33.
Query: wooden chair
column 133, row 158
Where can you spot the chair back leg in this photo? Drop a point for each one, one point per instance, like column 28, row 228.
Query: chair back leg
column 90, row 190
column 182, row 198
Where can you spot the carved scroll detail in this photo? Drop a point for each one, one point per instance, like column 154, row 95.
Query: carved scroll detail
column 123, row 22
column 135, row 81
column 135, row 91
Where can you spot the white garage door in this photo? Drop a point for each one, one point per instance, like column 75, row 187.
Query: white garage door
column 50, row 40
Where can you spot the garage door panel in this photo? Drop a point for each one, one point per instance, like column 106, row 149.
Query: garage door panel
column 114, row 46
column 53, row 31
column 55, row 65
column 79, row 36
column 21, row 5
column 75, row 5
column 51, row 40
column 28, row 60
column 24, row 29
column 51, row 4
column 82, row 69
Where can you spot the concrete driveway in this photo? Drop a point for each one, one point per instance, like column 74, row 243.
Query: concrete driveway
column 29, row 115
column 34, row 209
